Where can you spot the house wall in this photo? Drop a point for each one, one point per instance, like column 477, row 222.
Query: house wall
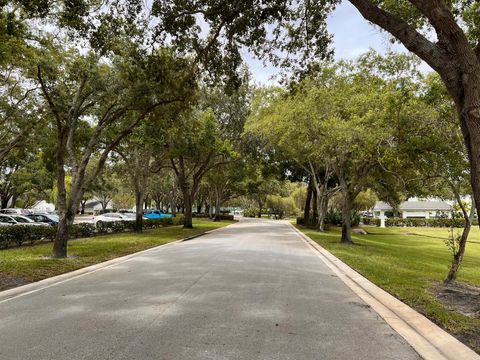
column 417, row 214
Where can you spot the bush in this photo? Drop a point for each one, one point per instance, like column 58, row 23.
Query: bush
column 82, row 230
column 370, row 221
column 178, row 219
column 311, row 221
column 434, row 222
column 250, row 212
column 334, row 217
column 18, row 235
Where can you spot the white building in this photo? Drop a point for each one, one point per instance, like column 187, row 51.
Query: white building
column 43, row 207
column 414, row 209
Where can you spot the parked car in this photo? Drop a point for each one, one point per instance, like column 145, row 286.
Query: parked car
column 14, row 211
column 110, row 217
column 366, row 214
column 19, row 220
column 157, row 214
column 50, row 219
column 129, row 215
column 6, row 220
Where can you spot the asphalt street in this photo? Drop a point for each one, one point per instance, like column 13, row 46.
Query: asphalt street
column 253, row 290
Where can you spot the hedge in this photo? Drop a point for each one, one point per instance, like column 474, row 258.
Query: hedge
column 400, row 222
column 370, row 221
column 433, row 222
column 223, row 216
column 332, row 217
column 19, row 235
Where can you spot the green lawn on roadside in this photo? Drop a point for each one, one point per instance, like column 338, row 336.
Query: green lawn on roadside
column 31, row 263
column 408, row 262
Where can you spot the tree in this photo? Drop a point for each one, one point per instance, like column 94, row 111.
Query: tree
column 103, row 187
column 137, row 154
column 227, row 182
column 336, row 125
column 445, row 34
column 292, row 124
column 194, row 146
column 442, row 161
column 94, row 105
column 281, row 206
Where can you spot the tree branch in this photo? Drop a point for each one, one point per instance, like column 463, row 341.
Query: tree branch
column 46, row 94
column 405, row 33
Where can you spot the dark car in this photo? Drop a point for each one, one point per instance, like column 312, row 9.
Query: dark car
column 50, row 219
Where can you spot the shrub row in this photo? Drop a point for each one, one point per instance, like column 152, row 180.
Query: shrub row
column 370, row 221
column 434, row 222
column 333, row 217
column 223, row 216
column 19, row 235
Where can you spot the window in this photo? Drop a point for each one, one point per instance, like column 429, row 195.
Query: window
column 5, row 219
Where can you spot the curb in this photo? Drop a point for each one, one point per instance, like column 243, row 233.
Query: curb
column 429, row 340
column 34, row 287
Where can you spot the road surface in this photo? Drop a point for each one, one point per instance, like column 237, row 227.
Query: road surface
column 253, row 290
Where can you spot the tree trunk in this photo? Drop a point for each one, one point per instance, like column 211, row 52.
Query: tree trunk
column 5, row 201
column 103, row 203
column 260, row 207
column 322, row 212
column 306, row 210
column 139, row 200
column 315, row 205
column 458, row 255
column 61, row 238
column 14, row 198
column 173, row 206
column 188, row 202
column 218, row 201
column 346, row 218
column 470, row 125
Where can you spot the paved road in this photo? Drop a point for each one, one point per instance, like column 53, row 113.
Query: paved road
column 254, row 290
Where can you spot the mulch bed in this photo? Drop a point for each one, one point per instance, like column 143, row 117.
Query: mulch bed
column 465, row 299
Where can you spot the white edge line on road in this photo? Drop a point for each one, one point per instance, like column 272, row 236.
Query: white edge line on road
column 429, row 340
column 14, row 293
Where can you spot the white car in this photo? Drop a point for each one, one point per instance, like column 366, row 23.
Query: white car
column 19, row 220
column 110, row 217
column 14, row 211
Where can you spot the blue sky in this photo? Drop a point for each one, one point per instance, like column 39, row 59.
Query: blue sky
column 352, row 34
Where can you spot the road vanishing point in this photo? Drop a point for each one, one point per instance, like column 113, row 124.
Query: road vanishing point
column 253, row 290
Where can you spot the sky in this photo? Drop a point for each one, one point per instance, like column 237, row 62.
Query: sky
column 352, row 36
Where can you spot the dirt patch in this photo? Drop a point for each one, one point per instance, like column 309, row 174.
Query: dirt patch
column 462, row 298
column 465, row 299
column 8, row 281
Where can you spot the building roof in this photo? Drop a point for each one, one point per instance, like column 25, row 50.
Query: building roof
column 415, row 206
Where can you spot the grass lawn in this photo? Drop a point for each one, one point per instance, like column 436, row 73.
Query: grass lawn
column 31, row 263
column 408, row 262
